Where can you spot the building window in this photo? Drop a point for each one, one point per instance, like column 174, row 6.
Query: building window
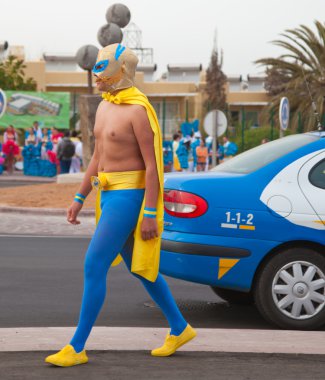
column 156, row 106
column 234, row 115
column 252, row 119
column 172, row 116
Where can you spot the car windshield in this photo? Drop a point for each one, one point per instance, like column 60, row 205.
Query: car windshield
column 262, row 155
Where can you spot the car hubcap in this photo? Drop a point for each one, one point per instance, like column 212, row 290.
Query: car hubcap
column 298, row 290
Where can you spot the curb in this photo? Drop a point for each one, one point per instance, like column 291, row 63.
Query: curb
column 145, row 338
column 28, row 179
column 43, row 211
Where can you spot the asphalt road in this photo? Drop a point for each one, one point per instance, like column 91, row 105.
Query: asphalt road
column 41, row 285
column 41, row 282
column 140, row 365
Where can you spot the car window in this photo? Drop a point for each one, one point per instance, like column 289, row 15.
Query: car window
column 317, row 175
column 262, row 155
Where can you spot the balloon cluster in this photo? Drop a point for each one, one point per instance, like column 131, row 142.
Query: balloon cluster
column 118, row 16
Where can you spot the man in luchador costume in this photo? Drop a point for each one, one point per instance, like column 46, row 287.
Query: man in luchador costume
column 127, row 170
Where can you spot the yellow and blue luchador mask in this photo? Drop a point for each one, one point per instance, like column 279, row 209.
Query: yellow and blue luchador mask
column 116, row 65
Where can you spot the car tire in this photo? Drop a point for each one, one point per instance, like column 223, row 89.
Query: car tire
column 285, row 290
column 233, row 296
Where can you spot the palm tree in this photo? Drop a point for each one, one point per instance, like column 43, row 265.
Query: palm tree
column 302, row 66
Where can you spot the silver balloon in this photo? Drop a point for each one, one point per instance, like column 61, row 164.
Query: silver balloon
column 118, row 14
column 86, row 56
column 109, row 34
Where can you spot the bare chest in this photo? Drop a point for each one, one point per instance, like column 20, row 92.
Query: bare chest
column 114, row 124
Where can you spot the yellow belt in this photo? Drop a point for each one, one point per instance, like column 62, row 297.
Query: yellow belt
column 119, row 180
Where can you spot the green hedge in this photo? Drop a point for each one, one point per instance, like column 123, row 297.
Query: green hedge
column 254, row 136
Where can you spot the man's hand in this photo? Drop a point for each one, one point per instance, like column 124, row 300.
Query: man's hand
column 73, row 212
column 149, row 228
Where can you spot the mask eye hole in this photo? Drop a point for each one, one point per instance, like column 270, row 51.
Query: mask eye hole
column 100, row 66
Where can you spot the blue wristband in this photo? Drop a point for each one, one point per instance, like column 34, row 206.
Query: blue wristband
column 80, row 195
column 149, row 216
column 78, row 200
column 150, row 209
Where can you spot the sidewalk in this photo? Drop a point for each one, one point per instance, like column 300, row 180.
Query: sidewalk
column 124, row 353
column 45, row 223
column 145, row 338
column 20, row 177
column 43, row 196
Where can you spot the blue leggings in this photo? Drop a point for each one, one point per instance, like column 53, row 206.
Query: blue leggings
column 114, row 234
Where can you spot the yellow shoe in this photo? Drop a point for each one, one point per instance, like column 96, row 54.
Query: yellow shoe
column 67, row 357
column 173, row 342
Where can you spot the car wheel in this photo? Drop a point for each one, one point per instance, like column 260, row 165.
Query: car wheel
column 234, row 296
column 290, row 289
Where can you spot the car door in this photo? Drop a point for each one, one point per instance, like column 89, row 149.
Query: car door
column 311, row 179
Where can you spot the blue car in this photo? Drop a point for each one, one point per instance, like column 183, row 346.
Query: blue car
column 253, row 228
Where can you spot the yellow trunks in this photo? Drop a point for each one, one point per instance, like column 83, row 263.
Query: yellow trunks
column 145, row 258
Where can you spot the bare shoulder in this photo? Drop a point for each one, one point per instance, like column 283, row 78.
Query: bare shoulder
column 100, row 108
column 136, row 109
column 140, row 122
column 138, row 113
column 101, row 105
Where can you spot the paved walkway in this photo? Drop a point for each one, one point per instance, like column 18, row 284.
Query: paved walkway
column 20, row 177
column 44, row 225
column 146, row 338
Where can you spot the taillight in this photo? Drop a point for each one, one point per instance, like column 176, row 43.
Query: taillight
column 183, row 204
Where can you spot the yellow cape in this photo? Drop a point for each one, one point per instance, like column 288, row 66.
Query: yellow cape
column 146, row 254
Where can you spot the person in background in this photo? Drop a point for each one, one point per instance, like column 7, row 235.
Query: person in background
column 65, row 151
column 175, row 145
column 76, row 160
column 56, row 137
column 195, row 143
column 46, row 133
column 185, row 155
column 202, row 156
column 10, row 148
column 10, row 134
column 79, row 152
column 265, row 140
column 31, row 137
column 190, row 156
column 46, row 140
column 208, row 144
column 74, row 136
column 37, row 132
column 229, row 148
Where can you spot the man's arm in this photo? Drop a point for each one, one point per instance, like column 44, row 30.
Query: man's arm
column 85, row 187
column 92, row 170
column 145, row 138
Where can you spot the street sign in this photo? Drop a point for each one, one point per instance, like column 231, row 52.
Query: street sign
column 284, row 113
column 3, row 103
column 215, row 119
column 215, row 125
